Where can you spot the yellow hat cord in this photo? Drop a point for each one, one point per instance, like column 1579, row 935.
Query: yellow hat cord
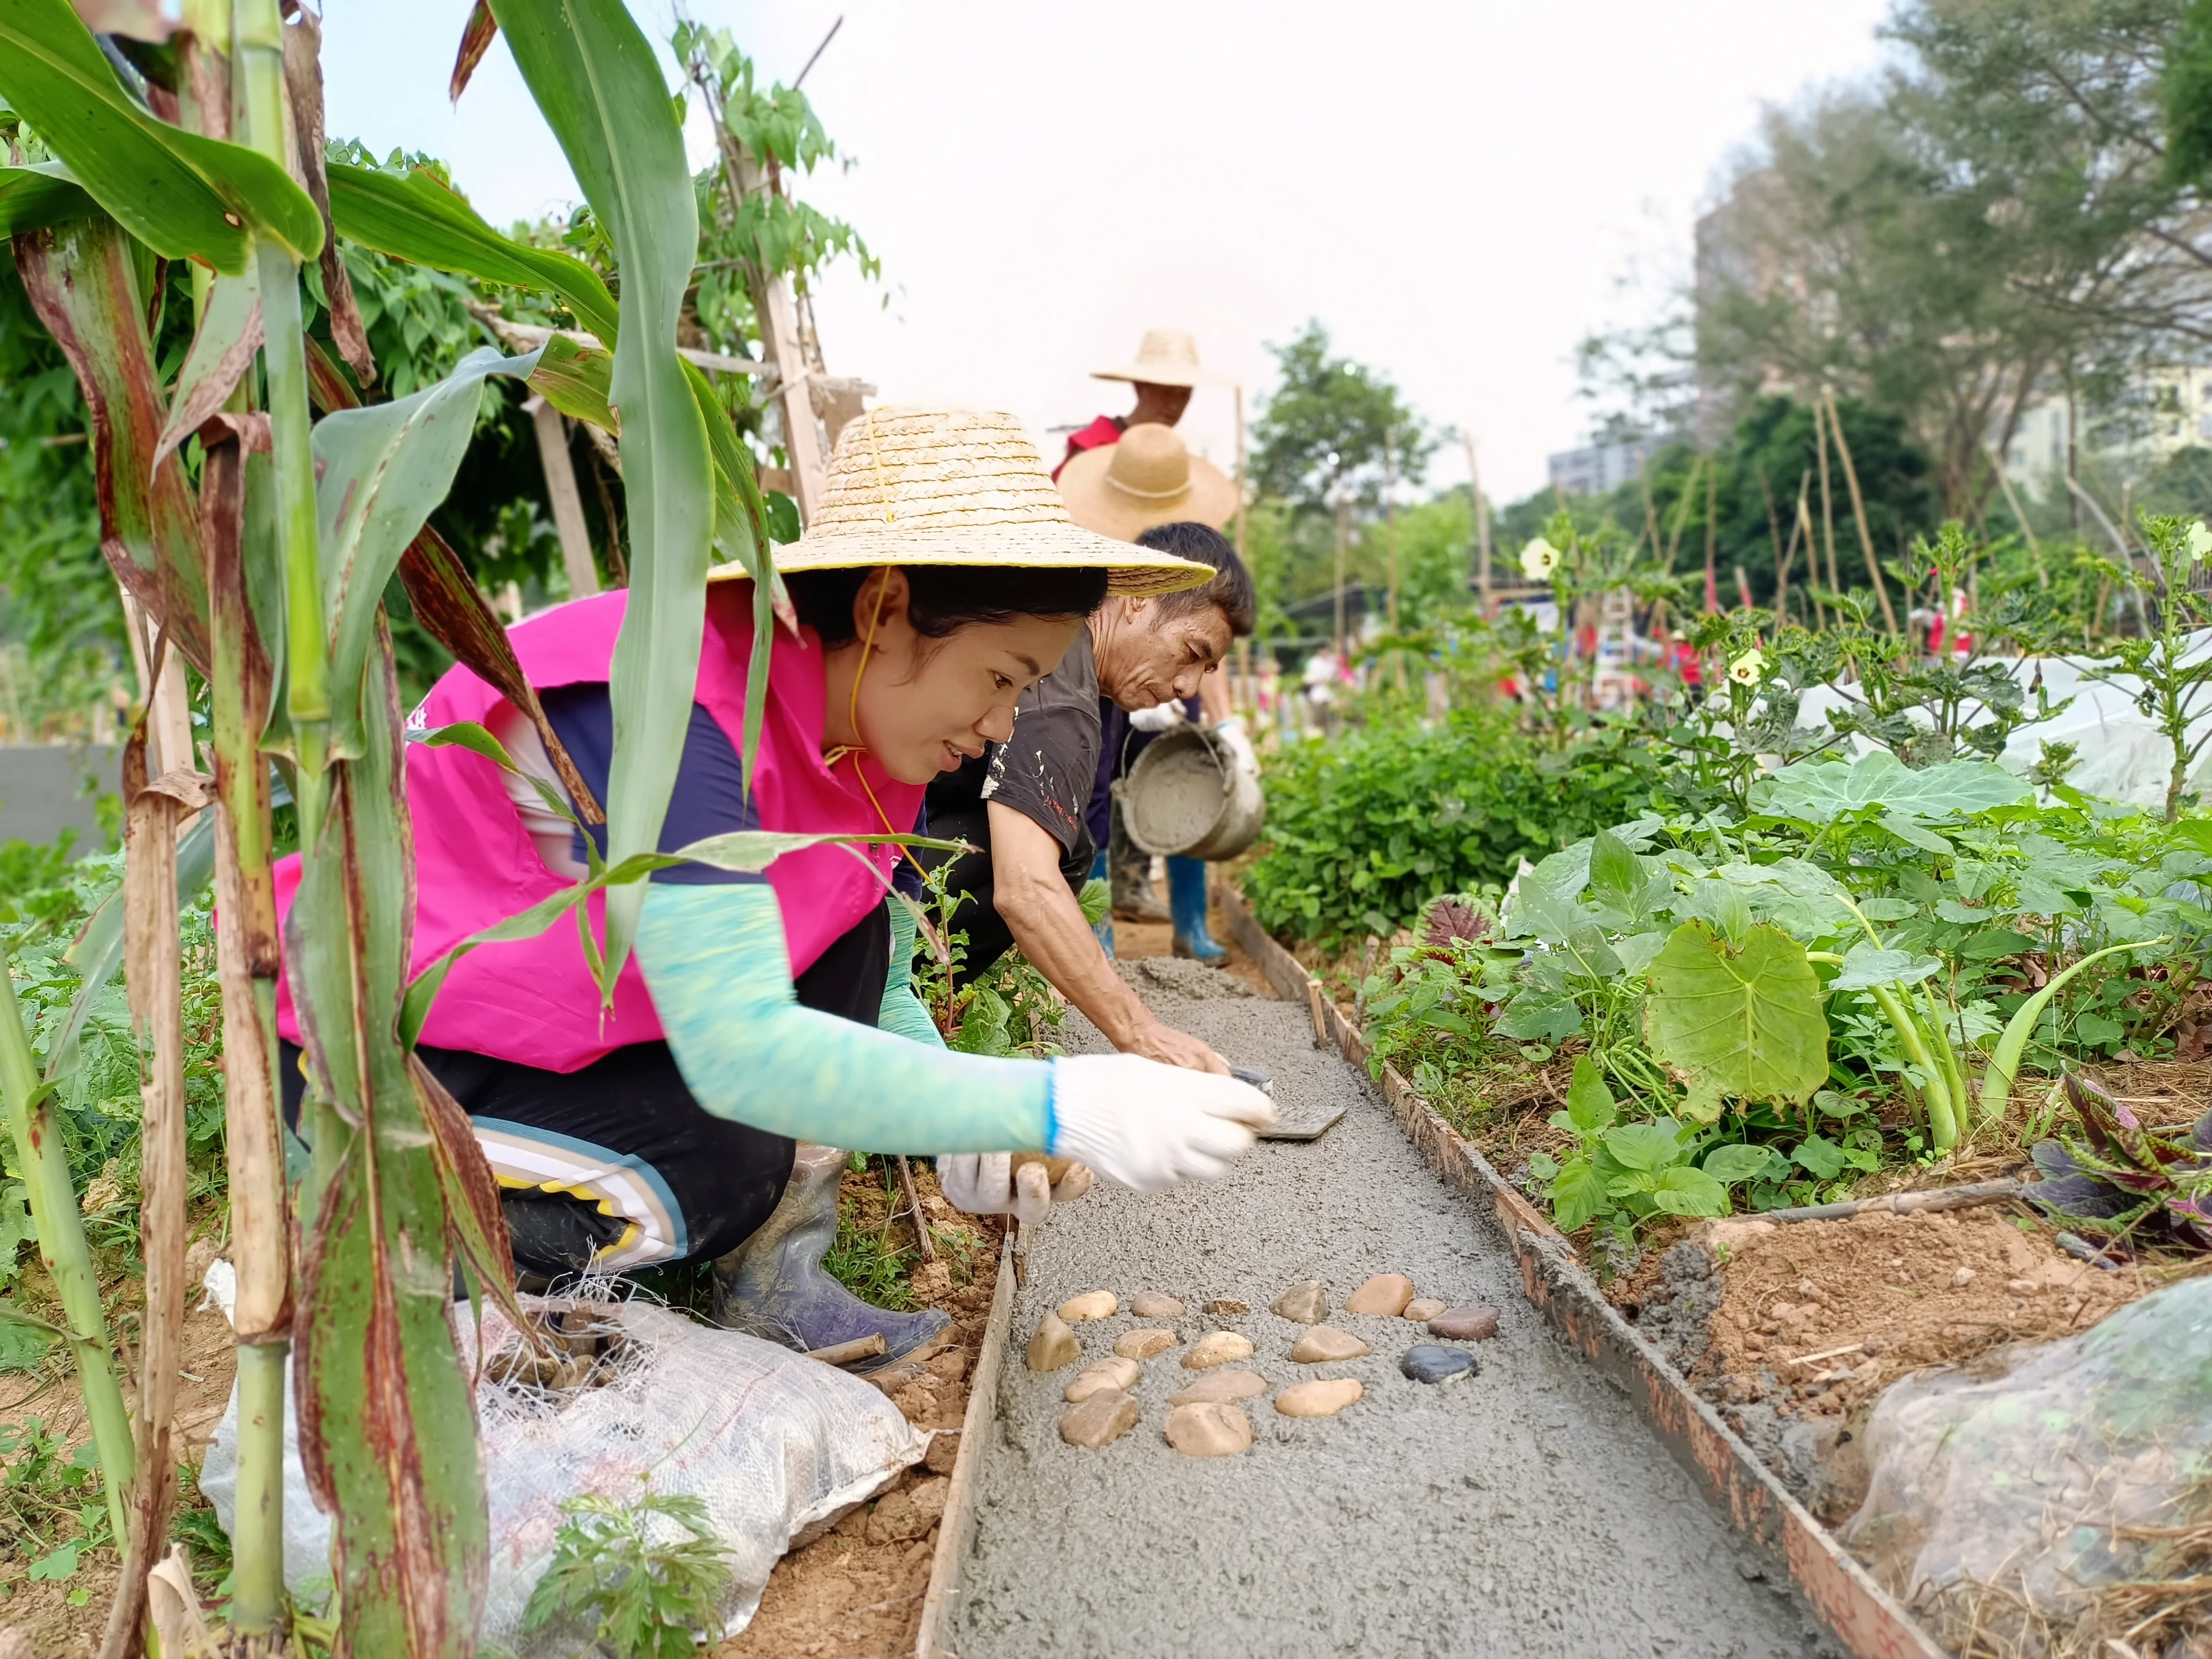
column 852, row 719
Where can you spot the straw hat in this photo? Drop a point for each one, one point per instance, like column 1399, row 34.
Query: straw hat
column 958, row 486
column 1169, row 357
column 1149, row 477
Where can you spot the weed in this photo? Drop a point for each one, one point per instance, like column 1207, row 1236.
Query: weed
column 643, row 1588
column 863, row 1259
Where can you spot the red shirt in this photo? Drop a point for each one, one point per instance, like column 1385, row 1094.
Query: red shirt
column 1106, row 429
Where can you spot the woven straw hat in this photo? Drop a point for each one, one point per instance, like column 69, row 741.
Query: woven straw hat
column 959, row 486
column 1169, row 357
column 1149, row 477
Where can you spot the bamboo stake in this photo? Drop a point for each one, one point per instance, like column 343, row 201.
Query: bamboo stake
column 1343, row 535
column 1682, row 511
column 1390, row 522
column 2034, row 547
column 1827, row 501
column 1812, row 554
column 914, row 1208
column 1788, row 554
column 1481, row 510
column 1712, row 529
column 1858, row 513
column 567, row 501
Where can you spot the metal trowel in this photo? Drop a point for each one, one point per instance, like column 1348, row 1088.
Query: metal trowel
column 1305, row 1128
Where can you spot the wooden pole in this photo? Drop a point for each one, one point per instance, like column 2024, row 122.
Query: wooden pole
column 1712, row 529
column 1390, row 522
column 1789, row 553
column 567, row 501
column 1858, row 513
column 2034, row 548
column 1343, row 535
column 167, row 701
column 1682, row 513
column 1479, row 510
column 1827, row 501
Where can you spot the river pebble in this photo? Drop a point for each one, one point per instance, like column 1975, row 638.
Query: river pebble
column 1153, row 1305
column 1092, row 1305
column 1224, row 1307
column 1325, row 1342
column 1108, row 1375
column 1100, row 1421
column 1219, row 1386
column 1324, row 1399
column 1386, row 1294
column 1422, row 1309
column 1209, row 1429
column 1306, row 1304
column 1428, row 1363
column 1143, row 1344
column 1218, row 1349
column 1464, row 1324
column 1053, row 1344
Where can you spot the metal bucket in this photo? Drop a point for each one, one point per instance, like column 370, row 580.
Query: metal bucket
column 1189, row 795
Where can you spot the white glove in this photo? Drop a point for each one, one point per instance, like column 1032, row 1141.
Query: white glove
column 986, row 1183
column 1235, row 740
column 1148, row 1125
column 1163, row 717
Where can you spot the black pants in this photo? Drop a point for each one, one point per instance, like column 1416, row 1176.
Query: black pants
column 616, row 1164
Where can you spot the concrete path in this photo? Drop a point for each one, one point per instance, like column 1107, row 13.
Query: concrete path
column 1526, row 1510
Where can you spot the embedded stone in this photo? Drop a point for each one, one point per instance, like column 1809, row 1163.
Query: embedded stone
column 1422, row 1308
column 1209, row 1429
column 1323, row 1398
column 1464, row 1324
column 1100, row 1421
column 1219, row 1387
column 1094, row 1304
column 1218, row 1349
column 1118, row 1374
column 1143, row 1344
column 1302, row 1305
column 1428, row 1363
column 1386, row 1294
column 1325, row 1342
column 1153, row 1305
column 1053, row 1344
column 1223, row 1307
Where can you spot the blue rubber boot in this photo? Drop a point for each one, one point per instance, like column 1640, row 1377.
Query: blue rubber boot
column 774, row 1285
column 1187, row 904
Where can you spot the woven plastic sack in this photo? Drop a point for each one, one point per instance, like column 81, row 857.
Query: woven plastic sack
column 774, row 1442
column 2057, row 1477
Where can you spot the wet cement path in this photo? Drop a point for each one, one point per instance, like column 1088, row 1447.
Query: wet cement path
column 1526, row 1510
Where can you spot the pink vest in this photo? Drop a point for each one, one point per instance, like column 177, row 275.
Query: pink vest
column 533, row 1000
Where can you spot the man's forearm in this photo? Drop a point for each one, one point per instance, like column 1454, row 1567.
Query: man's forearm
column 1048, row 923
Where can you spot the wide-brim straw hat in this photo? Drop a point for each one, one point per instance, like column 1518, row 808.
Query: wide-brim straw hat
column 1169, row 357
column 1148, row 479
column 923, row 485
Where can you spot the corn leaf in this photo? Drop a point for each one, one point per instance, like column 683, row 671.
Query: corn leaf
column 413, row 216
column 32, row 198
column 183, row 196
column 597, row 82
column 223, row 349
column 387, row 1431
column 379, row 472
column 574, row 380
column 80, row 281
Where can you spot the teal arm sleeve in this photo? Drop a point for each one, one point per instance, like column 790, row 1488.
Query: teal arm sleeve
column 715, row 961
column 902, row 1013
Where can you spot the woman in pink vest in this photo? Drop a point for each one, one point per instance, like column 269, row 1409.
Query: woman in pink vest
column 940, row 581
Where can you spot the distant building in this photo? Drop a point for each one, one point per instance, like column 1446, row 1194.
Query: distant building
column 2164, row 410
column 1601, row 469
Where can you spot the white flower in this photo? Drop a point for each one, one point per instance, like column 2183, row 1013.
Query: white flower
column 2200, row 542
column 1538, row 559
column 1749, row 669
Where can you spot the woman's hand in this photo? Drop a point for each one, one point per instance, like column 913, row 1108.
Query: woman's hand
column 990, row 1183
column 1148, row 1126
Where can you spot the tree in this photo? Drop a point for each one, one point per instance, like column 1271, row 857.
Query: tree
column 1333, row 426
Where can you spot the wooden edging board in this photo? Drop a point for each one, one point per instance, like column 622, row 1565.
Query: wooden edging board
column 956, row 1527
column 1869, row 1621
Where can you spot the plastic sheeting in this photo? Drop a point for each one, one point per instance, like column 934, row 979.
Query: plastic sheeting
column 774, row 1441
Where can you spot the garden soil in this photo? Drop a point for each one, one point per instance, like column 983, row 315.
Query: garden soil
column 1527, row 1509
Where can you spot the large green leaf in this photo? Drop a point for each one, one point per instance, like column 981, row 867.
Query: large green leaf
column 598, row 82
column 32, row 198
column 387, row 1428
column 80, row 280
column 379, row 472
column 574, row 379
column 183, row 196
column 415, row 218
column 1741, row 1023
column 1818, row 791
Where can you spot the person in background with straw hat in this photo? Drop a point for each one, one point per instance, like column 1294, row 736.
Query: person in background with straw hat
column 1026, row 804
column 940, row 580
column 1163, row 375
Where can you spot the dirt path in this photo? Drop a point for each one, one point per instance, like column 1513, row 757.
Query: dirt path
column 1525, row 1511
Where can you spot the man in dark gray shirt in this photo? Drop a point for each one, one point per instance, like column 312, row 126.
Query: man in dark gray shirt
column 1024, row 802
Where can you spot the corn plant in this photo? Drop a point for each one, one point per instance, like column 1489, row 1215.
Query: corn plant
column 260, row 543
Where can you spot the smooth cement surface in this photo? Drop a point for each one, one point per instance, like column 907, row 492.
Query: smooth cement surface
column 1526, row 1510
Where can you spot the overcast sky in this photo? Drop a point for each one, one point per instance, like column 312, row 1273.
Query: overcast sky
column 1455, row 189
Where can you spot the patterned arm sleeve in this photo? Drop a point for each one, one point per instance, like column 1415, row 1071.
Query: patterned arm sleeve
column 903, row 1012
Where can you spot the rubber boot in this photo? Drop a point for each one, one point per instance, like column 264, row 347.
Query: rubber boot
column 774, row 1285
column 1186, row 900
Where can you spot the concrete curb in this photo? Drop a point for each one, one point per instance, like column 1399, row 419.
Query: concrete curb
column 1869, row 1621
